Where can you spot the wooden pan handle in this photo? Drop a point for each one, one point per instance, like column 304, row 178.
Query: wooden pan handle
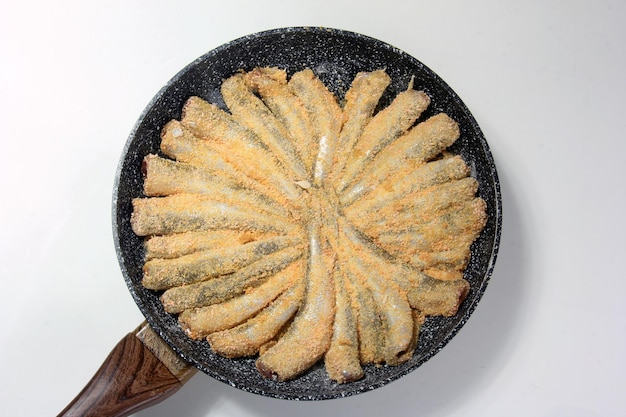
column 139, row 372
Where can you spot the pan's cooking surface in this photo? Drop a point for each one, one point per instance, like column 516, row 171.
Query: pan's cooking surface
column 336, row 57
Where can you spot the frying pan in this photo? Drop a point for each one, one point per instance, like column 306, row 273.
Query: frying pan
column 336, row 56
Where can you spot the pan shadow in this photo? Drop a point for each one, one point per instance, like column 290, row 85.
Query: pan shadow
column 466, row 366
column 195, row 399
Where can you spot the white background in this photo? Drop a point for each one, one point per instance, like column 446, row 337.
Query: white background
column 544, row 79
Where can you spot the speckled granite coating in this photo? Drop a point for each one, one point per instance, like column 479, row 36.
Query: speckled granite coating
column 335, row 56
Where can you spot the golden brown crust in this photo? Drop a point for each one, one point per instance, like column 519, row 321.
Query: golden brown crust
column 248, row 338
column 359, row 105
column 383, row 129
column 342, row 360
column 179, row 244
column 308, row 337
column 296, row 228
column 200, row 322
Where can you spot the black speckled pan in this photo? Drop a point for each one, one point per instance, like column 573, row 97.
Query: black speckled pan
column 336, row 56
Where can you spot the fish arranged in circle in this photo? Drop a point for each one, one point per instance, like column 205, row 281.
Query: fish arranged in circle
column 299, row 227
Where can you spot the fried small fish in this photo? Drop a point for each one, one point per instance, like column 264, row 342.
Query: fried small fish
column 297, row 226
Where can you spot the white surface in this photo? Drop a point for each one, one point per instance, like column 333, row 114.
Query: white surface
column 544, row 79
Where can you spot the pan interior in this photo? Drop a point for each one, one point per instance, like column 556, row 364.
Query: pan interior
column 336, row 56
